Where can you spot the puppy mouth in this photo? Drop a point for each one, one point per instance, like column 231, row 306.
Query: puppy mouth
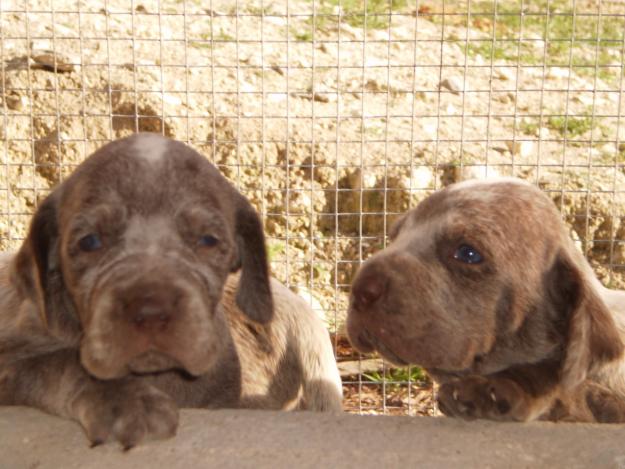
column 372, row 342
column 387, row 353
column 153, row 362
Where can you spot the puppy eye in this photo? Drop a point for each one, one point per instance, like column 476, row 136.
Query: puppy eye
column 208, row 241
column 90, row 243
column 468, row 254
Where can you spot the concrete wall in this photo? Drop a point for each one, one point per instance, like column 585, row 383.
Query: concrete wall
column 230, row 438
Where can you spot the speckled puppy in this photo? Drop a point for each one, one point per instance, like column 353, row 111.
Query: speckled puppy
column 483, row 287
column 120, row 306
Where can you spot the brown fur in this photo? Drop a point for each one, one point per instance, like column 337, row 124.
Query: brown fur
column 119, row 336
column 528, row 333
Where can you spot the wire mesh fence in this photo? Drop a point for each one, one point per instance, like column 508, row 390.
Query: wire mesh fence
column 332, row 117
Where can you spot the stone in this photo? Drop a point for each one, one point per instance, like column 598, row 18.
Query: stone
column 523, row 148
column 422, row 178
column 52, row 61
column 558, row 72
column 505, row 73
column 453, row 84
column 276, row 68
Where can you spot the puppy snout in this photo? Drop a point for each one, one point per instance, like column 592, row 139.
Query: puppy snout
column 369, row 288
column 151, row 313
column 151, row 308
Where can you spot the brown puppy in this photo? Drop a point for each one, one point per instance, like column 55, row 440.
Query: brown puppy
column 483, row 287
column 120, row 306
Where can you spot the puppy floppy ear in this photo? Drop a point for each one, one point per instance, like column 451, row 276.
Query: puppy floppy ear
column 592, row 337
column 37, row 259
column 254, row 292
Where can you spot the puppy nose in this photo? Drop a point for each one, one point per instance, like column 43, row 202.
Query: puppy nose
column 150, row 307
column 369, row 288
column 151, row 313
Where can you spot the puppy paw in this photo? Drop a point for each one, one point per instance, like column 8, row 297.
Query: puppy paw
column 479, row 397
column 128, row 411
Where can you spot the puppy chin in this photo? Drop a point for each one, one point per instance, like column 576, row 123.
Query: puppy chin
column 101, row 369
column 358, row 336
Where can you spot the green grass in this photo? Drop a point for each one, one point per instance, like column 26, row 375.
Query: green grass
column 528, row 128
column 258, row 11
column 395, row 376
column 570, row 126
column 372, row 14
column 580, row 38
column 223, row 36
column 305, row 35
column 375, row 16
column 275, row 249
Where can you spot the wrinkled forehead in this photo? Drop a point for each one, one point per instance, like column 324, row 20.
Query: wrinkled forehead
column 147, row 174
column 506, row 208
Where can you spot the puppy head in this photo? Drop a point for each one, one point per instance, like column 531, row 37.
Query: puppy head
column 479, row 277
column 135, row 246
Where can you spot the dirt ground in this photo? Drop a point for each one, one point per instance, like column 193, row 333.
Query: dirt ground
column 330, row 134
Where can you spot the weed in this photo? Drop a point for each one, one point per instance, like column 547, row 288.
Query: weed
column 569, row 126
column 258, row 11
column 549, row 31
column 223, row 36
column 201, row 44
column 303, row 35
column 374, row 16
column 395, row 376
column 275, row 249
column 528, row 128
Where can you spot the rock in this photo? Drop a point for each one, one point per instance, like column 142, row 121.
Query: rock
column 480, row 171
column 453, row 84
column 321, row 97
column 276, row 68
column 350, row 30
column 558, row 72
column 276, row 97
column 502, row 98
column 586, row 99
column 15, row 102
column 523, row 148
column 431, row 129
column 354, row 367
column 172, row 99
column 505, row 73
column 275, row 20
column 254, row 60
column 456, row 173
column 52, row 61
column 422, row 178
column 380, row 35
column 304, row 62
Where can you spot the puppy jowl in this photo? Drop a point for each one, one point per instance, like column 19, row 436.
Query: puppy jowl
column 142, row 287
column 482, row 286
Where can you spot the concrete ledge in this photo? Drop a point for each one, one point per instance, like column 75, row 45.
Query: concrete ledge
column 231, row 438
